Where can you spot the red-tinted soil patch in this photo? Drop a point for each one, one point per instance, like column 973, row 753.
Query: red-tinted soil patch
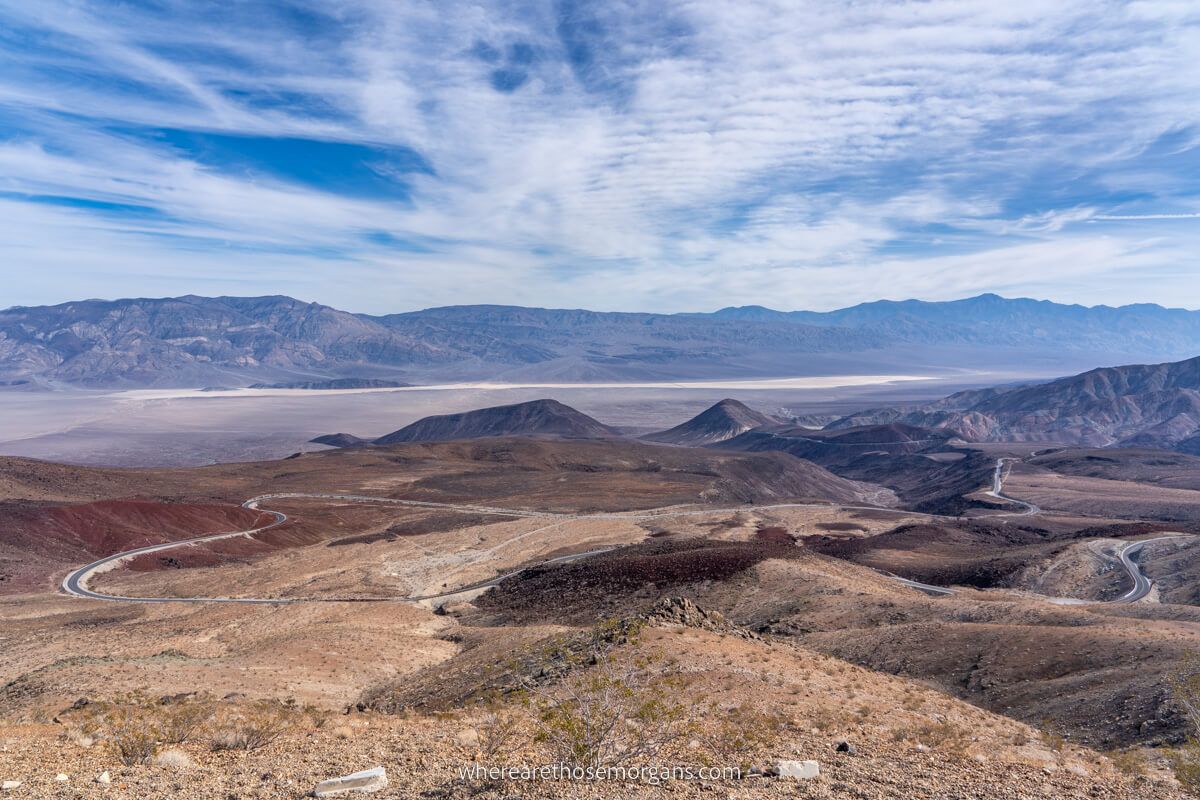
column 774, row 535
column 40, row 539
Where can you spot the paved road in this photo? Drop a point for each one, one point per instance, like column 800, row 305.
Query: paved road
column 1141, row 584
column 1003, row 466
column 76, row 582
column 928, row 588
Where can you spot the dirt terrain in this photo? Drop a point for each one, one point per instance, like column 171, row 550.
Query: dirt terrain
column 789, row 563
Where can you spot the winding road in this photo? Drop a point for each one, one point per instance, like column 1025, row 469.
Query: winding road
column 1003, row 466
column 1141, row 584
column 76, row 582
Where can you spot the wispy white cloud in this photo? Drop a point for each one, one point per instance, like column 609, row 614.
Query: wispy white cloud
column 1146, row 216
column 649, row 155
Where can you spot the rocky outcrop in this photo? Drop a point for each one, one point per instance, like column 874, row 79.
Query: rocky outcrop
column 684, row 612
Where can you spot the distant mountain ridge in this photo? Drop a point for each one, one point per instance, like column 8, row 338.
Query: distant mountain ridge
column 197, row 341
column 1146, row 405
column 983, row 318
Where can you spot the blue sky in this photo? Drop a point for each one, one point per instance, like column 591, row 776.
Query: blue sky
column 387, row 155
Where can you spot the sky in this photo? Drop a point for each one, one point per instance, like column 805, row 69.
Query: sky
column 667, row 155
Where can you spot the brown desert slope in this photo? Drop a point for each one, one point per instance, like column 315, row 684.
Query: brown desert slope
column 1098, row 672
column 1155, row 467
column 909, row 740
column 736, row 597
column 917, row 463
column 534, row 418
column 39, row 539
column 1154, row 405
column 62, row 524
column 722, row 421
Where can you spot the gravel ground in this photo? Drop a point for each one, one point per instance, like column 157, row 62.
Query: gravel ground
column 423, row 756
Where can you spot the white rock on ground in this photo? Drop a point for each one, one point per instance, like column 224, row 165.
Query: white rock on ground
column 8, row 786
column 104, row 777
column 804, row 770
column 369, row 780
column 174, row 758
column 62, row 777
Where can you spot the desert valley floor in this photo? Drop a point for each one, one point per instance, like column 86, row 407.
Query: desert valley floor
column 770, row 584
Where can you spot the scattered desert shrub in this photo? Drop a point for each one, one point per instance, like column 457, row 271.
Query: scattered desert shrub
column 254, row 727
column 824, row 720
column 132, row 727
column 1130, row 762
column 498, row 729
column 945, row 736
column 1051, row 737
column 606, row 707
column 133, row 733
column 317, row 717
column 182, row 722
column 732, row 735
column 619, row 710
column 1185, row 689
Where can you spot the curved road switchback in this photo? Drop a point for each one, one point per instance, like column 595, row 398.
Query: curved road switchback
column 1003, row 467
column 76, row 581
column 1141, row 584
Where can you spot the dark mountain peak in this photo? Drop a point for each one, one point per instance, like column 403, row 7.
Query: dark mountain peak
column 545, row 417
column 723, row 420
column 340, row 440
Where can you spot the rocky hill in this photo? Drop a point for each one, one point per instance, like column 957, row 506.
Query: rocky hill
column 722, row 421
column 340, row 440
column 916, row 463
column 239, row 341
column 535, row 418
column 1144, row 405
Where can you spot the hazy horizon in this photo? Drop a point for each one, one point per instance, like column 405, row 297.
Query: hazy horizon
column 765, row 305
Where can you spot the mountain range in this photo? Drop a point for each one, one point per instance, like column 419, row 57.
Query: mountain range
column 1143, row 405
column 196, row 341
